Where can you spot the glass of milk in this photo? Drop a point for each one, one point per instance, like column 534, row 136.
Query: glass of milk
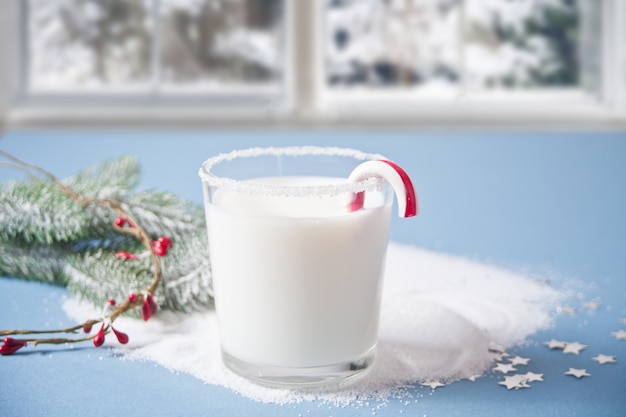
column 297, row 271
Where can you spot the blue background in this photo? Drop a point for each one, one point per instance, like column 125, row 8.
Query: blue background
column 548, row 204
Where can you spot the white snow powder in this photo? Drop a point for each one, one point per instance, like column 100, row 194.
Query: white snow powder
column 439, row 315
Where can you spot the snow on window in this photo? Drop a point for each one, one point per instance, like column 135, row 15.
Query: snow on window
column 221, row 41
column 88, row 43
column 142, row 44
column 446, row 44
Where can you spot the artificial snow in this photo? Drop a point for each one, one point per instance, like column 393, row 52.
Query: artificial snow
column 440, row 316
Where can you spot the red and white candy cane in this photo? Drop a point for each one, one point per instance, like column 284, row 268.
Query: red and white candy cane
column 395, row 176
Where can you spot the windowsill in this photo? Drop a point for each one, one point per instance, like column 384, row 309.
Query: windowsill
column 560, row 111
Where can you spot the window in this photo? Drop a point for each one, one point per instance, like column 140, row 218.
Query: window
column 321, row 60
column 152, row 51
column 452, row 45
column 471, row 58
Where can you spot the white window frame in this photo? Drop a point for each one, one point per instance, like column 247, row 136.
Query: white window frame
column 310, row 103
column 567, row 108
column 147, row 106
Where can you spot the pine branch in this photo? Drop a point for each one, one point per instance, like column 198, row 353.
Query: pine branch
column 99, row 276
column 164, row 213
column 143, row 298
column 111, row 179
column 34, row 262
column 186, row 283
column 61, row 232
column 34, row 210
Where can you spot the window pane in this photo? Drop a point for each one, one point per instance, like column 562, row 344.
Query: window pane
column 88, row 43
column 393, row 43
column 520, row 44
column 146, row 45
column 211, row 42
column 449, row 45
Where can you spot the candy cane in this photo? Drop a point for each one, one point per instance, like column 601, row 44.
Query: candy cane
column 395, row 176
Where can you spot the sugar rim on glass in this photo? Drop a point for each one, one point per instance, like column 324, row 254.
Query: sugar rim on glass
column 369, row 184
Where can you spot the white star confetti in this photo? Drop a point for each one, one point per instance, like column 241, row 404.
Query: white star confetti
column 591, row 305
column 433, row 384
column 505, row 368
column 574, row 348
column 570, row 311
column 516, row 381
column 578, row 373
column 518, row 360
column 533, row 377
column 603, row 359
column 620, row 334
column 555, row 344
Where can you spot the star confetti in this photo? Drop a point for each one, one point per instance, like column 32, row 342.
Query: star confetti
column 505, row 368
column 555, row 344
column 604, row 359
column 578, row 373
column 533, row 377
column 433, row 384
column 516, row 381
column 591, row 305
column 574, row 348
column 518, row 360
column 570, row 311
column 620, row 334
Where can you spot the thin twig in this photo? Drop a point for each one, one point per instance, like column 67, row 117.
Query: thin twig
column 72, row 329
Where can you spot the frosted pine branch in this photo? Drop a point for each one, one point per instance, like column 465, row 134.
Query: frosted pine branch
column 164, row 213
column 36, row 212
column 99, row 276
column 112, row 179
column 35, row 261
column 186, row 282
column 48, row 236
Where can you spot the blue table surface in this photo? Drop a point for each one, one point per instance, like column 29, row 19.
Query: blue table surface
column 544, row 203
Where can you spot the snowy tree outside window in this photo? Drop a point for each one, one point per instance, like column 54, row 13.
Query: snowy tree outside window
column 444, row 45
column 136, row 45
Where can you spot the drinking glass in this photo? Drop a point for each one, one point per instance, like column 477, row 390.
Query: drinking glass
column 297, row 266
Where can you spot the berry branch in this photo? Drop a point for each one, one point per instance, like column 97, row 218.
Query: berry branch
column 125, row 224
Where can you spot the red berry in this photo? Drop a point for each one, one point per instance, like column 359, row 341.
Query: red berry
column 121, row 336
column 120, row 221
column 154, row 307
column 149, row 307
column 111, row 302
column 132, row 298
column 10, row 346
column 165, row 241
column 125, row 255
column 87, row 328
column 159, row 248
column 146, row 311
column 98, row 340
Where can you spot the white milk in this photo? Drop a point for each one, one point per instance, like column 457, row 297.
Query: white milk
column 297, row 280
